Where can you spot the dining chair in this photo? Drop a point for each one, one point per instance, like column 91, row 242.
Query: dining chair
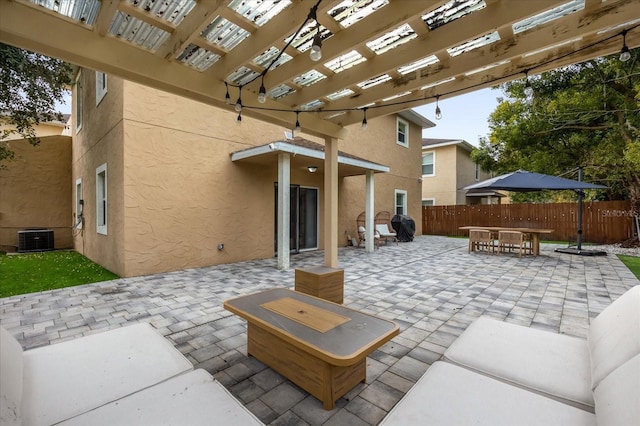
column 481, row 239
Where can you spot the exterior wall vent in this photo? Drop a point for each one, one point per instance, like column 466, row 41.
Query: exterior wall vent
column 35, row 240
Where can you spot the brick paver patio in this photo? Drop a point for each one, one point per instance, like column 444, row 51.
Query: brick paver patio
column 431, row 287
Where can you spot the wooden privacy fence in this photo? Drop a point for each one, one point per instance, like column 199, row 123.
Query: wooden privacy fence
column 603, row 222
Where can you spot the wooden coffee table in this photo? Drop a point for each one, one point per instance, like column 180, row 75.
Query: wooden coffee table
column 319, row 345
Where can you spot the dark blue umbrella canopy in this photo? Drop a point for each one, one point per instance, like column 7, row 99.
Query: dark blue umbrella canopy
column 524, row 181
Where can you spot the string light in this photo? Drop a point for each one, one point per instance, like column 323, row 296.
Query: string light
column 625, row 54
column 262, row 93
column 239, row 119
column 528, row 90
column 297, row 128
column 238, row 106
column 316, row 52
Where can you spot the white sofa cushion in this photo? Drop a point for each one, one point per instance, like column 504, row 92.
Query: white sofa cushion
column 614, row 335
column 66, row 379
column 451, row 395
column 553, row 364
column 190, row 399
column 618, row 395
column 10, row 378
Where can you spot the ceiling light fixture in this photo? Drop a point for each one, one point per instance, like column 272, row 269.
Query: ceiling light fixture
column 625, row 54
column 312, row 169
column 438, row 111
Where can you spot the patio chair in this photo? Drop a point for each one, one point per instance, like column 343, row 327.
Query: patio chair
column 481, row 239
column 362, row 231
column 511, row 240
column 385, row 234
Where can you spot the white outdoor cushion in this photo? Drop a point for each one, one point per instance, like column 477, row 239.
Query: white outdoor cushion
column 384, row 231
column 614, row 335
column 66, row 379
column 451, row 395
column 618, row 395
column 10, row 379
column 554, row 364
column 194, row 398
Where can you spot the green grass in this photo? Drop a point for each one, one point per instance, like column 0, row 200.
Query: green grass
column 32, row 272
column 632, row 262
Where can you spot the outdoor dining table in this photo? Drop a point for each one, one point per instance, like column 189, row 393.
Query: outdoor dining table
column 534, row 232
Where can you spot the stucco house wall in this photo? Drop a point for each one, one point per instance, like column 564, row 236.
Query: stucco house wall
column 34, row 189
column 442, row 185
column 174, row 194
column 378, row 143
column 100, row 141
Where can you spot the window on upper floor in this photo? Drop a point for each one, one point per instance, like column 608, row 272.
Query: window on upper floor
column 101, row 199
column 477, row 171
column 78, row 103
column 403, row 132
column 428, row 202
column 428, row 164
column 401, row 201
column 101, row 86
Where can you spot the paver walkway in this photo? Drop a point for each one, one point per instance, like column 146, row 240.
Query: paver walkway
column 431, row 287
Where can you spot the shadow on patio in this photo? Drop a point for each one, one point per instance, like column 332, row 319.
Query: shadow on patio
column 431, row 287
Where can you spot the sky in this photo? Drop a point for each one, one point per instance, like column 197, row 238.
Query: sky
column 463, row 117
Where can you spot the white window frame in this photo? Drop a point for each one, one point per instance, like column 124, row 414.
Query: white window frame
column 400, row 121
column 101, row 86
column 477, row 172
column 79, row 102
column 433, row 164
column 79, row 204
column 432, row 200
column 404, row 201
column 101, row 199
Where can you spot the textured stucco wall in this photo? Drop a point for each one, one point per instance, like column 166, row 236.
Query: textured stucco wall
column 378, row 144
column 100, row 141
column 184, row 195
column 442, row 186
column 35, row 190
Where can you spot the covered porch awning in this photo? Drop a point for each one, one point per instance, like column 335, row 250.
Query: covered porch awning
column 304, row 154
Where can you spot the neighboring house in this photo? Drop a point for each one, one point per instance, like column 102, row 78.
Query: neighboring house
column 446, row 168
column 35, row 186
column 159, row 183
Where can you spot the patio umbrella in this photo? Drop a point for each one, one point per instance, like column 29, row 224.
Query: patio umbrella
column 524, row 181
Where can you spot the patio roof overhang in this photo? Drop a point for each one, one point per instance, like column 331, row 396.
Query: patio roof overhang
column 304, row 154
column 384, row 56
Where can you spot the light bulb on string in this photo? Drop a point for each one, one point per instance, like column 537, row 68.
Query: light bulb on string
column 438, row 111
column 528, row 90
column 262, row 93
column 625, row 54
column 316, row 47
column 227, row 98
column 297, row 128
column 238, row 106
column 364, row 119
column 239, row 119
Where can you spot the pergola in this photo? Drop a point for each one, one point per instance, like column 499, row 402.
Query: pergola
column 378, row 57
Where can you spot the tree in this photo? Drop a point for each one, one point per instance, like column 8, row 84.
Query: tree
column 30, row 84
column 585, row 115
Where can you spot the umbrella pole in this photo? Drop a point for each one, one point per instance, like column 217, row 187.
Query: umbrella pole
column 580, row 200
